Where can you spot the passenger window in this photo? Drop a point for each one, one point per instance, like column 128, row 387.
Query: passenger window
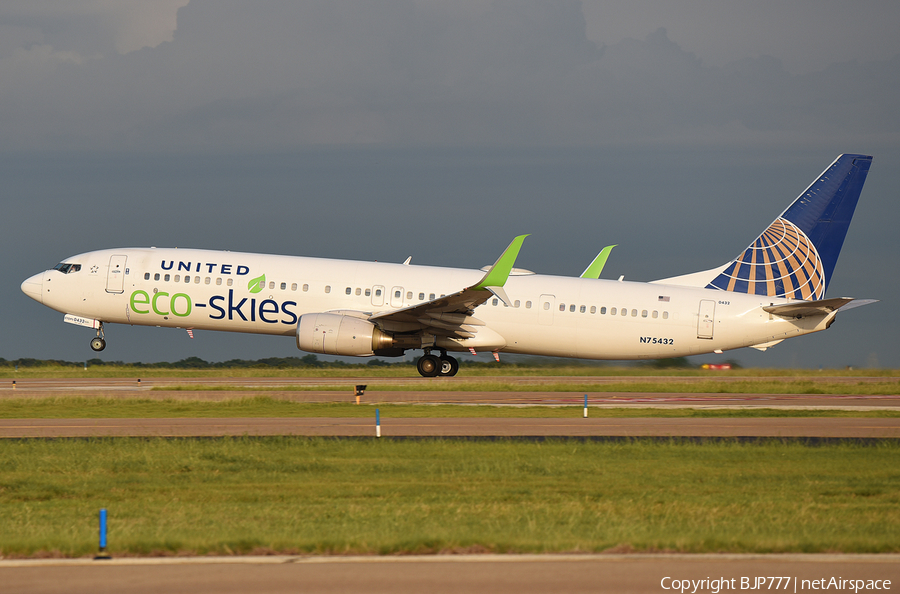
column 283, row 286
column 293, row 286
column 562, row 307
column 644, row 314
column 572, row 307
column 665, row 315
column 271, row 285
column 624, row 311
column 146, row 276
column 494, row 302
column 397, row 294
column 603, row 311
column 612, row 311
column 409, row 295
column 177, row 278
column 156, row 276
column 305, row 288
column 421, row 296
column 528, row 305
column 368, row 292
column 516, row 303
column 546, row 305
column 655, row 314
column 219, row 281
column 593, row 309
column 196, row 280
column 187, row 279
column 431, row 297
column 166, row 278
column 207, row 281
column 582, row 309
column 358, row 291
column 229, row 282
column 378, row 292
column 348, row 291
column 328, row 288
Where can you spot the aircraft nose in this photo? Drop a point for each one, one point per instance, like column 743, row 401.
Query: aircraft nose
column 33, row 287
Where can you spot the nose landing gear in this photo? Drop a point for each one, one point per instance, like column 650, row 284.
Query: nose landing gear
column 98, row 343
column 430, row 365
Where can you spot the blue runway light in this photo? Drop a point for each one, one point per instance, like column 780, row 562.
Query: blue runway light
column 103, row 529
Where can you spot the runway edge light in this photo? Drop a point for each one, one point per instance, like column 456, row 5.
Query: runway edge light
column 102, row 554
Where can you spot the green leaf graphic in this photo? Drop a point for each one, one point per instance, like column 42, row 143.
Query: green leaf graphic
column 256, row 285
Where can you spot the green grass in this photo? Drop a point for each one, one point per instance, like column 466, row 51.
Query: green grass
column 782, row 386
column 70, row 407
column 295, row 495
column 489, row 370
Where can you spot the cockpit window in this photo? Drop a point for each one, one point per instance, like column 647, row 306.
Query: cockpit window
column 67, row 268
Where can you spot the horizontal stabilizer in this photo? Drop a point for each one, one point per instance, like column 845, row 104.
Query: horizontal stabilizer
column 822, row 307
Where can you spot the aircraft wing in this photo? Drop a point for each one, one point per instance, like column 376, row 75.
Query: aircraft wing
column 451, row 315
column 821, row 307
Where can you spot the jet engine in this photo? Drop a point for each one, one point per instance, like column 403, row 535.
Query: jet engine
column 336, row 334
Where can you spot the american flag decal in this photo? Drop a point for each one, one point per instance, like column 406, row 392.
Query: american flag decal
column 663, row 297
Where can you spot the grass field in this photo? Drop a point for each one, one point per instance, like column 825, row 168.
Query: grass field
column 244, row 495
column 490, row 370
column 75, row 407
column 776, row 386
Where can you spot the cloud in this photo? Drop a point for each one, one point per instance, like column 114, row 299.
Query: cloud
column 242, row 76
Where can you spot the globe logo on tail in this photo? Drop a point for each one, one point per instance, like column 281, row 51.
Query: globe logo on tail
column 782, row 262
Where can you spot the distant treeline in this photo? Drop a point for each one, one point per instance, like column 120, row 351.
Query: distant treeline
column 198, row 363
column 308, row 361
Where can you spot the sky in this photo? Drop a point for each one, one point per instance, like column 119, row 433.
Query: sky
column 677, row 129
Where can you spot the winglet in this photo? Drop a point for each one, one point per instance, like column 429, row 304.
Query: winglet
column 499, row 272
column 596, row 267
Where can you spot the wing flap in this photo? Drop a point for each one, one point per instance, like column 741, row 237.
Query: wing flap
column 451, row 315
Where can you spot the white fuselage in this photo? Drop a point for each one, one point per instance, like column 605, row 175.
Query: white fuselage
column 550, row 315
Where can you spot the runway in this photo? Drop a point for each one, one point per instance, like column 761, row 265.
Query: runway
column 493, row 574
column 441, row 391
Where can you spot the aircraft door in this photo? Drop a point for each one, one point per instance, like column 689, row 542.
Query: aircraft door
column 546, row 305
column 378, row 295
column 397, row 297
column 707, row 319
column 115, row 277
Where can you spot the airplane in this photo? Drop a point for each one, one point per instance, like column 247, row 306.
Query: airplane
column 773, row 290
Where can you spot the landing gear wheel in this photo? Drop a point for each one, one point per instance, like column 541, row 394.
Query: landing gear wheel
column 98, row 344
column 449, row 366
column 428, row 366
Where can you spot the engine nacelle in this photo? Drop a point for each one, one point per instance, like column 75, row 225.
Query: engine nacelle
column 336, row 334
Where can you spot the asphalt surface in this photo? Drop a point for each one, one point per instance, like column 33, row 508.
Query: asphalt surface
column 207, row 389
column 494, row 574
column 314, row 390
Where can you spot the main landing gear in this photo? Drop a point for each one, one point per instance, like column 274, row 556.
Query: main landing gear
column 98, row 343
column 430, row 365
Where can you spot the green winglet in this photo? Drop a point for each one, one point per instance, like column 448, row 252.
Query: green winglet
column 499, row 272
column 596, row 267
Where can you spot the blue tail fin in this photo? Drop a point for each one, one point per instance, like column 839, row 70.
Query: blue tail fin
column 795, row 256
